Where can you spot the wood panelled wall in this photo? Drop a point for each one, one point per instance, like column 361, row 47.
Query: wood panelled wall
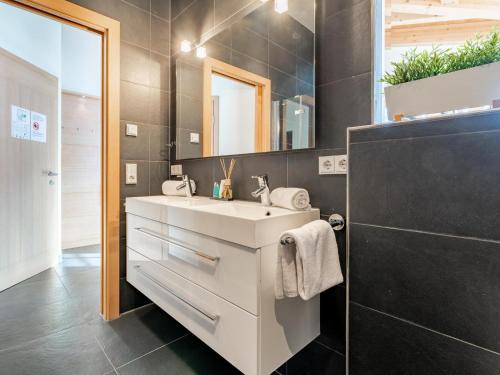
column 80, row 170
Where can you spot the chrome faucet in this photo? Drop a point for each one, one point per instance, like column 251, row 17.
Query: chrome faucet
column 263, row 190
column 186, row 185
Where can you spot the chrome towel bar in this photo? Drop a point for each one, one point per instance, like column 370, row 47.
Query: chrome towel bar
column 336, row 221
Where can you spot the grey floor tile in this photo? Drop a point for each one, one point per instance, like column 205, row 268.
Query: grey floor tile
column 137, row 333
column 85, row 283
column 32, row 294
column 187, row 356
column 73, row 351
column 23, row 325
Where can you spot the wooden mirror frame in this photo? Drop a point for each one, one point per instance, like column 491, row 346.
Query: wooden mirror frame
column 262, row 103
column 75, row 15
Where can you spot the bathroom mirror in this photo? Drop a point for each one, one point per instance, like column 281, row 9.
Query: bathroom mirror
column 245, row 84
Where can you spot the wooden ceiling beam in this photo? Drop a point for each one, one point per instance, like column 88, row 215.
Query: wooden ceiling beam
column 438, row 33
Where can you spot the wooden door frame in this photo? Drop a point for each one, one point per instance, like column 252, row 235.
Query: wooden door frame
column 262, row 102
column 109, row 29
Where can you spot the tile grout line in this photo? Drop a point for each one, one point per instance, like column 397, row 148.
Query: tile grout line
column 105, row 354
column 425, row 328
column 419, row 137
column 428, row 233
column 329, row 348
column 154, row 350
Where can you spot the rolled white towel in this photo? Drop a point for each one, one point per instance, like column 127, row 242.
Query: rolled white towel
column 169, row 187
column 292, row 198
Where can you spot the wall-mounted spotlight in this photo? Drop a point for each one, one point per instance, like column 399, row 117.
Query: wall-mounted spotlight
column 201, row 52
column 186, row 46
column 281, row 6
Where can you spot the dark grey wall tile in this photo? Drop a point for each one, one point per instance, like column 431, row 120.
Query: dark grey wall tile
column 227, row 8
column 438, row 184
column 159, row 71
column 192, row 22
column 281, row 59
column 343, row 47
column 159, row 107
column 186, row 149
column 470, row 123
column 130, row 298
column 250, row 43
column 327, row 7
column 178, row 6
column 161, row 8
column 333, row 318
column 327, row 192
column 281, row 30
column 189, row 113
column 382, row 345
column 134, row 63
column 142, row 186
column 134, row 148
column 451, row 285
column 159, row 139
column 160, row 35
column 283, row 84
column 134, row 24
column 143, row 4
column 316, row 359
column 202, row 172
column 134, row 102
column 252, row 65
column 159, row 173
column 342, row 104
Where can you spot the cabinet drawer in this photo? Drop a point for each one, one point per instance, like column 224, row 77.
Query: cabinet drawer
column 229, row 270
column 140, row 239
column 226, row 328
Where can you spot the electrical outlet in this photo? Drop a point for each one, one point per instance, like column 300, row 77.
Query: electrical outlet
column 341, row 164
column 176, row 170
column 131, row 130
column 194, row 138
column 326, row 165
column 130, row 174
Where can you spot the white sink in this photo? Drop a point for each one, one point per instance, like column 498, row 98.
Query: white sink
column 246, row 223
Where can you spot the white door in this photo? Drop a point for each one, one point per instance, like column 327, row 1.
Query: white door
column 29, row 162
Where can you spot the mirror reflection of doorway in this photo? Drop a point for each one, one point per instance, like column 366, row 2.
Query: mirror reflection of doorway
column 50, row 160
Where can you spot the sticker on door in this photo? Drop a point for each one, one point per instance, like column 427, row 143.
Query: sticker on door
column 20, row 122
column 38, row 127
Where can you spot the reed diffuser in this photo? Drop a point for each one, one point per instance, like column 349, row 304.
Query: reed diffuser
column 226, row 191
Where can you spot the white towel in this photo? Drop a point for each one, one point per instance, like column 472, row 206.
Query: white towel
column 291, row 198
column 311, row 264
column 170, row 188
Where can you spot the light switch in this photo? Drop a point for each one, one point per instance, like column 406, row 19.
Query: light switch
column 326, row 164
column 130, row 174
column 176, row 170
column 340, row 164
column 194, row 137
column 131, row 130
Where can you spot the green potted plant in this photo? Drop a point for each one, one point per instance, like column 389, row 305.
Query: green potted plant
column 440, row 80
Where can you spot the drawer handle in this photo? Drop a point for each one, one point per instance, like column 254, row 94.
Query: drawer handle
column 212, row 317
column 166, row 239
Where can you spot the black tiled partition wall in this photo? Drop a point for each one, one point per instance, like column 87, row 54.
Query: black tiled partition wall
column 424, row 256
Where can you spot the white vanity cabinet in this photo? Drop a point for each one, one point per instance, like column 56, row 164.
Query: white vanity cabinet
column 220, row 289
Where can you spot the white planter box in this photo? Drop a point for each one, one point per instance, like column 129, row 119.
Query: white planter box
column 468, row 88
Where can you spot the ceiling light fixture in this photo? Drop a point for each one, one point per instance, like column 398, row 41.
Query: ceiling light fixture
column 281, row 6
column 186, row 46
column 201, row 52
